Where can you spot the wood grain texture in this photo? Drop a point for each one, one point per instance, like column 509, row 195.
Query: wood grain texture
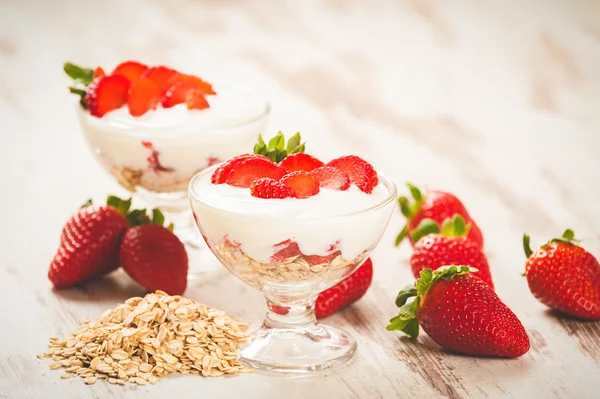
column 495, row 101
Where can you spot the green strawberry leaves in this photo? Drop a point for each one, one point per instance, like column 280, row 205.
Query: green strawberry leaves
column 452, row 227
column 136, row 217
column 408, row 209
column 277, row 150
column 568, row 237
column 409, row 299
column 82, row 77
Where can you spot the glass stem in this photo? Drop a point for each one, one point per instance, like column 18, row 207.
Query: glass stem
column 294, row 316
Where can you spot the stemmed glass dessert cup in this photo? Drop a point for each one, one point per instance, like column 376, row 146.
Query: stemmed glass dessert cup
column 270, row 252
column 156, row 158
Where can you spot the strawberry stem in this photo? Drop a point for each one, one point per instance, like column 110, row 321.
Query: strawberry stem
column 401, row 235
column 526, row 245
column 455, row 227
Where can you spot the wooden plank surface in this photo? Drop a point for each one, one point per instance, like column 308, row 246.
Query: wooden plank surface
column 498, row 102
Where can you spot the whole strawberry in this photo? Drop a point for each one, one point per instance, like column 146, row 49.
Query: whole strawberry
column 437, row 206
column 154, row 257
column 347, row 291
column 89, row 243
column 449, row 246
column 460, row 313
column 564, row 276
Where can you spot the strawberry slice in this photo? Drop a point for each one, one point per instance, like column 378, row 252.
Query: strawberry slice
column 160, row 75
column 106, row 93
column 195, row 99
column 194, row 81
column 220, row 174
column 289, row 249
column 98, row 72
column 143, row 96
column 180, row 93
column 132, row 70
column 249, row 170
column 300, row 161
column 331, row 178
column 270, row 188
column 321, row 260
column 304, row 184
column 358, row 170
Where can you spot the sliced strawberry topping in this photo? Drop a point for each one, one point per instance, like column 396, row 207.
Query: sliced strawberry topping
column 304, row 184
column 193, row 81
column 358, row 170
column 220, row 174
column 98, row 72
column 132, row 70
column 161, row 75
column 331, row 178
column 180, row 92
column 300, row 161
column 195, row 99
column 270, row 188
column 144, row 95
column 106, row 93
column 249, row 170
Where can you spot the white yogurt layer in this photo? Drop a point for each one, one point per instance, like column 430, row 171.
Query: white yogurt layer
column 315, row 223
column 186, row 140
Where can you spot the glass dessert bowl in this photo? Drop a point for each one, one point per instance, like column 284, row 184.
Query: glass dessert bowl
column 291, row 249
column 154, row 143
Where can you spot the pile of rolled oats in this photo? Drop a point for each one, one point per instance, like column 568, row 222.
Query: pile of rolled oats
column 147, row 338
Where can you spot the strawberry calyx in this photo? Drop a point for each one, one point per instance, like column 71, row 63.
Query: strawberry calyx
column 277, row 149
column 135, row 217
column 568, row 237
column 82, row 77
column 406, row 321
column 452, row 227
column 409, row 209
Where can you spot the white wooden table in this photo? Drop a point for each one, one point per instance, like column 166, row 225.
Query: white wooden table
column 498, row 102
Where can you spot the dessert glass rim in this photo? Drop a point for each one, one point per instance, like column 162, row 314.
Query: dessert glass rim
column 389, row 184
column 179, row 129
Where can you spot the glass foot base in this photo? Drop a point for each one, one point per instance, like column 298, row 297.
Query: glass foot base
column 299, row 351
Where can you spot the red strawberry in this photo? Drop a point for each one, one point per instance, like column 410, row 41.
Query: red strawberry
column 132, row 70
column 161, row 76
column 358, row 170
column 249, row 170
column 564, row 276
column 331, row 178
column 303, row 184
column 194, row 82
column 98, row 72
column 300, row 161
column 220, row 174
column 180, row 93
column 270, row 188
column 460, row 313
column 195, row 99
column 106, row 93
column 347, row 291
column 321, row 260
column 435, row 248
column 285, row 250
column 89, row 245
column 143, row 96
column 437, row 206
column 154, row 257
